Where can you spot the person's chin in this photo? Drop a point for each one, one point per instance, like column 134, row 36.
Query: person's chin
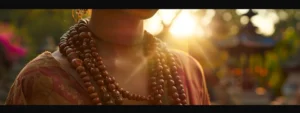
column 141, row 13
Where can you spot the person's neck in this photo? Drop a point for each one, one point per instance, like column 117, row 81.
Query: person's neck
column 118, row 35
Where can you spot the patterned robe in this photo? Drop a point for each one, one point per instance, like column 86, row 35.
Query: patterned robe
column 44, row 82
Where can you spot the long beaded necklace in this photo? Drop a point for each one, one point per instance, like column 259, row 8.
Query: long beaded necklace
column 79, row 46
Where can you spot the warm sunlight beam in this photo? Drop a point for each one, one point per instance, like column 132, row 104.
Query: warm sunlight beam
column 184, row 26
column 153, row 25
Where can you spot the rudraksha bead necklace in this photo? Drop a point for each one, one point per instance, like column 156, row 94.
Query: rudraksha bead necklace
column 79, row 46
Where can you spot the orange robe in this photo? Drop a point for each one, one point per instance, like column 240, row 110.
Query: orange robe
column 44, row 82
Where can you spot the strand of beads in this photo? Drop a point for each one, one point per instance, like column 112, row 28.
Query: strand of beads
column 68, row 49
column 80, row 48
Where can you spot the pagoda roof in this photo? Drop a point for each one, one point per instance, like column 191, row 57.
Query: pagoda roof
column 248, row 41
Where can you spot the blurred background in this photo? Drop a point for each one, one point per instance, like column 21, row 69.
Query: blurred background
column 249, row 56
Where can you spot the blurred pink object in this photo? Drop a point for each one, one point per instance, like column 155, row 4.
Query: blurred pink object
column 13, row 52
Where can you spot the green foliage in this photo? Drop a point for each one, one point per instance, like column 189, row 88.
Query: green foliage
column 34, row 25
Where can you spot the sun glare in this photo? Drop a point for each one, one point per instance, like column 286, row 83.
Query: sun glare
column 184, row 26
column 153, row 25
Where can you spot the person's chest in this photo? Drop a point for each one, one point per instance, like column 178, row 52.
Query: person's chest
column 132, row 77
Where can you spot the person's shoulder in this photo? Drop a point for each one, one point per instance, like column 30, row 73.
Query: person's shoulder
column 194, row 77
column 43, row 60
column 185, row 60
column 41, row 70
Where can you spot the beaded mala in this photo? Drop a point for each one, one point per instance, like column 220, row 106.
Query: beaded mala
column 79, row 46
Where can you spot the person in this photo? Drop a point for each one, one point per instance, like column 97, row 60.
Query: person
column 109, row 59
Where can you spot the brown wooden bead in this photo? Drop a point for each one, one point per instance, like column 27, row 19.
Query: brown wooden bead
column 174, row 73
column 87, row 84
column 86, row 60
column 104, row 73
column 106, row 96
column 94, row 95
column 182, row 96
column 80, row 69
column 161, row 76
column 83, row 46
column 76, row 36
column 87, row 55
column 117, row 86
column 87, row 51
column 76, row 62
column 78, row 52
column 102, row 67
column 99, row 103
column 150, row 98
column 159, row 86
column 168, row 77
column 72, row 33
column 163, row 61
column 130, row 96
column 181, row 91
column 174, row 68
column 158, row 96
column 83, row 74
column 111, row 87
column 121, row 90
column 89, row 65
column 178, row 82
column 94, row 71
column 86, row 78
column 94, row 49
column 119, row 100
column 110, row 102
column 180, row 87
column 83, row 35
column 153, row 83
column 159, row 102
column 72, row 55
column 98, row 77
column 172, row 59
column 91, row 89
column 159, row 68
column 167, row 72
column 116, row 93
column 171, row 82
column 173, row 89
column 81, row 55
column 176, row 78
column 92, row 41
column 134, row 96
column 103, row 89
column 184, row 102
column 69, row 50
column 139, row 98
column 143, row 98
column 77, row 43
column 62, row 45
column 125, row 94
column 95, row 54
column 175, row 95
column 177, row 101
column 100, row 82
column 160, row 91
column 161, row 81
column 82, row 28
column 70, row 42
column 96, row 100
